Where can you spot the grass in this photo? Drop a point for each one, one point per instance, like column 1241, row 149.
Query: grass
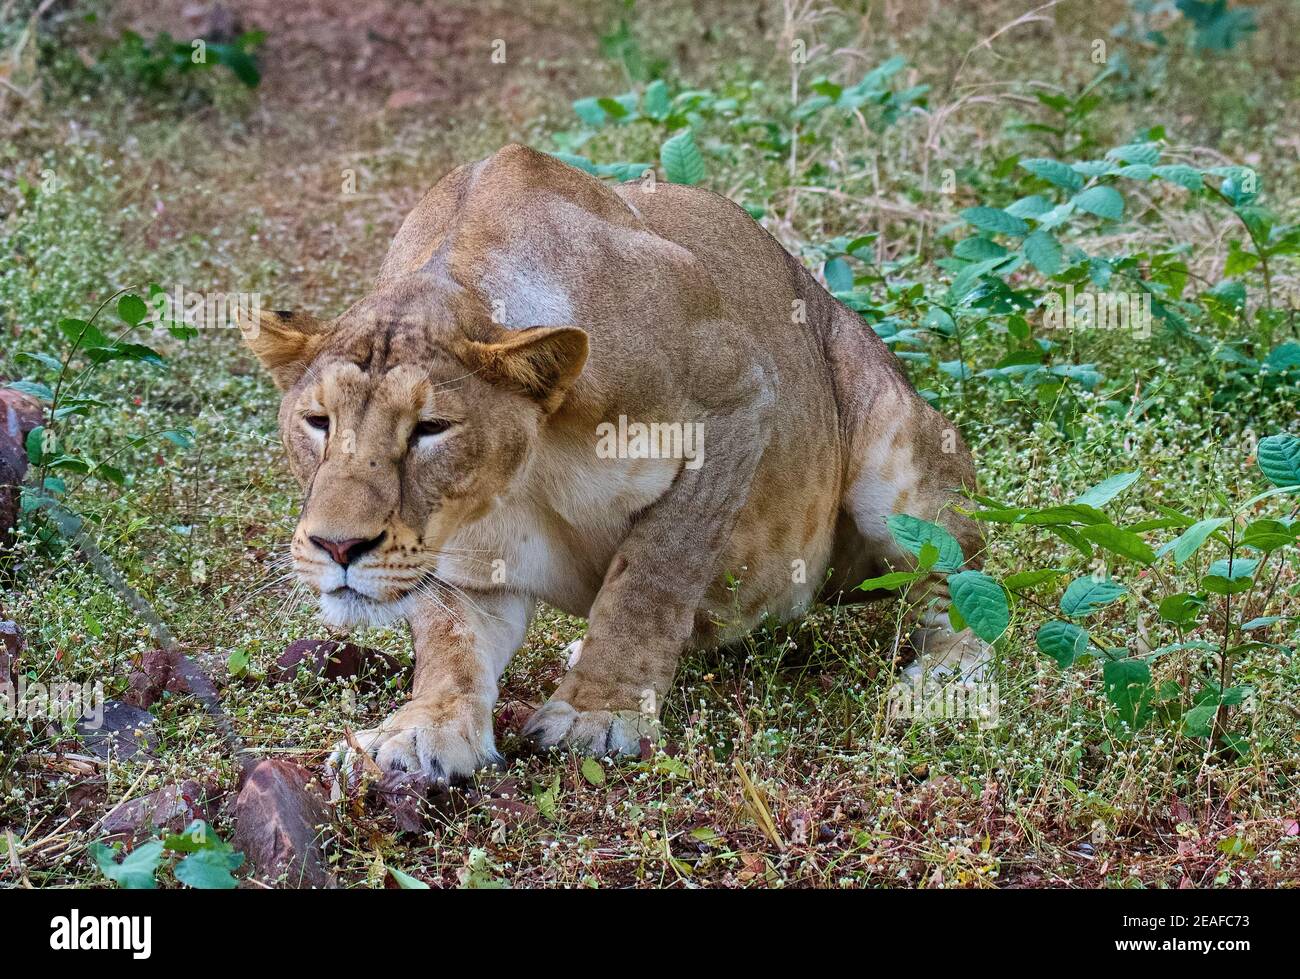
column 782, row 768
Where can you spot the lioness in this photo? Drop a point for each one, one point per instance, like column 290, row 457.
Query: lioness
column 470, row 440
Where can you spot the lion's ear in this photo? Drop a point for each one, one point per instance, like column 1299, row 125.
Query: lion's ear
column 284, row 342
column 542, row 361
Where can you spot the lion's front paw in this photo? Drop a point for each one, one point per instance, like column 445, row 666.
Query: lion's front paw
column 418, row 738
column 591, row 732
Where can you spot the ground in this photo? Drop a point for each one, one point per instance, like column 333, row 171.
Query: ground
column 782, row 765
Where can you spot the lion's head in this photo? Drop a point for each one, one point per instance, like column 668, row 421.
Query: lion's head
column 404, row 420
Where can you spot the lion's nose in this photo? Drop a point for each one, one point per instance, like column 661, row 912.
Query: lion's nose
column 347, row 551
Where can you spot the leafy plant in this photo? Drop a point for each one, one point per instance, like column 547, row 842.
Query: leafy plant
column 1129, row 686
column 205, row 860
column 60, row 384
column 680, row 115
column 981, row 602
column 165, row 64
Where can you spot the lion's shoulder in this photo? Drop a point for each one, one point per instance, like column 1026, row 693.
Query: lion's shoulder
column 516, row 192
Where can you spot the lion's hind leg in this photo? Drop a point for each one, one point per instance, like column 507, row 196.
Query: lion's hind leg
column 908, row 459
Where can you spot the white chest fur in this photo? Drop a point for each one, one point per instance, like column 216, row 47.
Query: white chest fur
column 555, row 532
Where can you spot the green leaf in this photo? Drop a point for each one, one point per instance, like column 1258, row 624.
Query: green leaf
column 1235, row 568
column 839, row 275
column 1128, row 686
column 1085, row 595
column 910, row 533
column 1227, row 294
column 1230, row 577
column 137, row 869
column 1070, row 513
column 892, row 580
column 36, row 357
column 1238, row 261
column 1181, row 609
column 1199, row 721
column 1283, row 358
column 69, row 464
column 655, row 102
column 193, row 838
column 1063, row 641
column 1268, row 535
column 239, row 61
column 977, row 248
column 995, row 220
column 1033, row 206
column 209, row 869
column 33, row 389
column 1109, row 488
column 406, row 882
column 1054, row 172
column 1190, row 540
column 1140, row 153
column 35, row 445
column 132, row 309
column 613, row 107
column 111, row 473
column 589, row 111
column 681, row 159
column 1180, row 174
column 1103, row 201
column 1120, row 542
column 1260, row 623
column 928, row 557
column 237, row 662
column 981, row 602
column 83, row 334
column 1024, row 580
column 1278, row 459
column 134, row 351
column 593, row 772
column 1044, row 252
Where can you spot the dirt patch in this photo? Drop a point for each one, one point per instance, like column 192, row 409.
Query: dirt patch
column 338, row 57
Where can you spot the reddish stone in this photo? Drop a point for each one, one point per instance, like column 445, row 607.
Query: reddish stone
column 173, row 807
column 154, row 675
column 279, row 819
column 332, row 660
column 11, row 644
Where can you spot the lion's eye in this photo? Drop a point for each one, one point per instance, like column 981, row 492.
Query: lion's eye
column 319, row 422
column 433, row 426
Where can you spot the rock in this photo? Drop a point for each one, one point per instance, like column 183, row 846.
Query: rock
column 154, row 675
column 173, row 807
column 11, row 644
column 13, row 466
column 512, row 715
column 418, row 804
column 124, row 733
column 19, row 413
column 278, row 820
column 332, row 660
column 406, row 796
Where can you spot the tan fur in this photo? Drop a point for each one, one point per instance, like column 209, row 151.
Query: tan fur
column 529, row 305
